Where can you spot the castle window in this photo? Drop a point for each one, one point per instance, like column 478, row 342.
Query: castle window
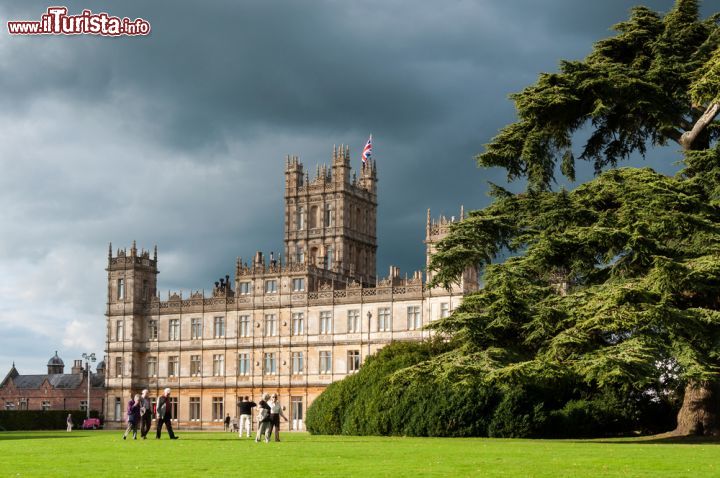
column 329, row 215
column 298, row 285
column 299, row 255
column 217, row 409
column 9, row 405
column 174, row 329
column 244, row 326
column 196, row 328
column 325, row 362
column 301, row 218
column 271, row 286
column 353, row 361
column 243, row 364
column 152, row 330
column 145, row 290
column 218, row 365
column 118, row 409
column 83, row 405
column 314, row 219
column 46, row 405
column 173, row 366
column 329, row 257
column 152, row 366
column 195, row 366
column 194, row 409
column 173, row 408
column 353, row 324
column 270, row 325
column 444, row 310
column 119, row 335
column 118, row 367
column 121, row 289
column 298, row 323
column 244, row 288
column 326, row 322
column 298, row 365
column 219, row 327
column 384, row 319
column 414, row 321
column 270, row 364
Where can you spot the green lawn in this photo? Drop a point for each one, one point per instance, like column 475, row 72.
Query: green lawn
column 104, row 453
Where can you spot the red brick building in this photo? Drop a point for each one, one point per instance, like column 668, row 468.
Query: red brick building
column 55, row 390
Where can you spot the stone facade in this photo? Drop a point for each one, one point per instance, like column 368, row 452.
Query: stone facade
column 290, row 326
column 54, row 391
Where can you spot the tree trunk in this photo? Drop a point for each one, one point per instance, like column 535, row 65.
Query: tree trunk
column 699, row 412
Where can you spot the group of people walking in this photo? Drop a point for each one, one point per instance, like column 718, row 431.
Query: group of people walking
column 268, row 417
column 140, row 414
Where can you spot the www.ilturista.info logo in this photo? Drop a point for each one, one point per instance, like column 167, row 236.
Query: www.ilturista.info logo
column 57, row 22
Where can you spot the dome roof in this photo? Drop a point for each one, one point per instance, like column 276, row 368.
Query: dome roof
column 55, row 360
column 100, row 365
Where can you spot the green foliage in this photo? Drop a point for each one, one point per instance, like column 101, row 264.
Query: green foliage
column 41, row 419
column 378, row 401
column 647, row 84
column 614, row 277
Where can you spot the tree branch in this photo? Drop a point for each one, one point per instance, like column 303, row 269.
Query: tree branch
column 688, row 137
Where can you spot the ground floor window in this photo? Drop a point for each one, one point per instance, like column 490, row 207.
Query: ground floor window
column 217, row 409
column 173, row 408
column 118, row 409
column 83, row 405
column 45, row 405
column 194, row 409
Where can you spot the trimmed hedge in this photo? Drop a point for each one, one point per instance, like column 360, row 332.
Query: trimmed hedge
column 378, row 401
column 375, row 402
column 41, row 419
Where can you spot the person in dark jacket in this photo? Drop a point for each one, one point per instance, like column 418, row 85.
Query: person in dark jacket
column 227, row 423
column 164, row 414
column 246, row 407
column 263, row 418
column 133, row 417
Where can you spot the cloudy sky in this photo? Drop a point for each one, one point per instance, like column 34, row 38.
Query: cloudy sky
column 178, row 138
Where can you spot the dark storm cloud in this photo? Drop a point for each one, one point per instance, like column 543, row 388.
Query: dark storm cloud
column 177, row 138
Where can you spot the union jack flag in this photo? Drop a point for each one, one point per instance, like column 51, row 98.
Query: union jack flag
column 367, row 150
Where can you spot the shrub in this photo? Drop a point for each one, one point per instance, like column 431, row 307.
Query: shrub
column 41, row 419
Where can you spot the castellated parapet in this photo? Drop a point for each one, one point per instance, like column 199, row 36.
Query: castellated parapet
column 289, row 324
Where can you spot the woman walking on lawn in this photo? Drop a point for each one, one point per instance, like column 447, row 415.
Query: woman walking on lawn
column 133, row 417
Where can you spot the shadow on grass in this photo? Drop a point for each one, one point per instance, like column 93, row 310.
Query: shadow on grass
column 20, row 436
column 663, row 439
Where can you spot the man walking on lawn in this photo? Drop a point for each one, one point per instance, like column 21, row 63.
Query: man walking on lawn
column 164, row 414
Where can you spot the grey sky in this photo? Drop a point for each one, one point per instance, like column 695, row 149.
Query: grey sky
column 178, row 139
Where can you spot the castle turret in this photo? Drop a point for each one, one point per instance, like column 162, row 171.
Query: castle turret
column 435, row 231
column 55, row 365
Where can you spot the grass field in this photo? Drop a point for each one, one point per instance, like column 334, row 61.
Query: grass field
column 104, row 453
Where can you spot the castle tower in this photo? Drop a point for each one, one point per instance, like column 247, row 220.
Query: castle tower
column 330, row 222
column 132, row 284
column 435, row 231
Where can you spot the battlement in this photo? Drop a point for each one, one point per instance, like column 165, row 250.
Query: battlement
column 437, row 229
column 124, row 258
column 336, row 177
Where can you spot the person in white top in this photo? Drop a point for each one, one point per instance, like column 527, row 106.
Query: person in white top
column 275, row 414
